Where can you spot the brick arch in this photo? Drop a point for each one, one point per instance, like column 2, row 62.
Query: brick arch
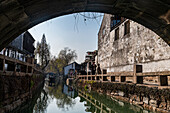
column 17, row 16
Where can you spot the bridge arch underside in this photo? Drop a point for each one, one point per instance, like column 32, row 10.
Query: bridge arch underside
column 17, row 16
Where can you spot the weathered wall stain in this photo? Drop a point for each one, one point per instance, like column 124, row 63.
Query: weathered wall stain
column 141, row 46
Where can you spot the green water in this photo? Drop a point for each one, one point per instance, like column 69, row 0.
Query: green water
column 62, row 99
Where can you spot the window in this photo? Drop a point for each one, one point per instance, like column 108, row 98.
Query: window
column 117, row 34
column 127, row 28
column 114, row 21
column 138, row 68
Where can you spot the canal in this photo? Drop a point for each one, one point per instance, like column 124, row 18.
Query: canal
column 63, row 99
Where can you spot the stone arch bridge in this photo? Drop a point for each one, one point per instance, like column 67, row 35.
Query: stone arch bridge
column 17, row 16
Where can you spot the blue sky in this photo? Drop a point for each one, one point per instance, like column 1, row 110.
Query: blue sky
column 66, row 31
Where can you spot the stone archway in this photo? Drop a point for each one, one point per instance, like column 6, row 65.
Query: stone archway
column 17, row 16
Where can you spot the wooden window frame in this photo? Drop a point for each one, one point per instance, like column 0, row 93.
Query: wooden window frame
column 117, row 33
column 127, row 27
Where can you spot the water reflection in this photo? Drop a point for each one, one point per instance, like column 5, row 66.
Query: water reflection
column 37, row 104
column 99, row 103
column 42, row 103
column 61, row 98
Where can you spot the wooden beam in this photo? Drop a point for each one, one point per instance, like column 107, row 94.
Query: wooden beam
column 154, row 73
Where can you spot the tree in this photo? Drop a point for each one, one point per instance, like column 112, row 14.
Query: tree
column 55, row 65
column 67, row 55
column 64, row 58
column 43, row 52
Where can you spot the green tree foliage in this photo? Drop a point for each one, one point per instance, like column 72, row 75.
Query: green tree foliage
column 64, row 58
column 41, row 103
column 67, row 55
column 43, row 52
column 62, row 100
column 56, row 65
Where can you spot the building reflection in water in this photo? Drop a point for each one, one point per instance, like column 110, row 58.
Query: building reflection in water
column 62, row 95
column 67, row 99
column 99, row 103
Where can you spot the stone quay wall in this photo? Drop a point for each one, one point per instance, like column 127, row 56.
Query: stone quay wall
column 16, row 90
column 150, row 98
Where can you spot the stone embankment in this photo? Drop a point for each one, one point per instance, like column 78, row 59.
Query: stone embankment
column 16, row 90
column 150, row 98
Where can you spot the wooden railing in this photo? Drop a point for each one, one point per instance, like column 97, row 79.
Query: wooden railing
column 136, row 78
column 28, row 66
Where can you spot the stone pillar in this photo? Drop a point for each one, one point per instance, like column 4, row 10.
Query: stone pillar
column 134, row 74
column 119, row 78
column 109, row 78
column 163, row 80
column 102, row 77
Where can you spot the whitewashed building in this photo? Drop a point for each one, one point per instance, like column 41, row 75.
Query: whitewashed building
column 124, row 44
column 71, row 69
